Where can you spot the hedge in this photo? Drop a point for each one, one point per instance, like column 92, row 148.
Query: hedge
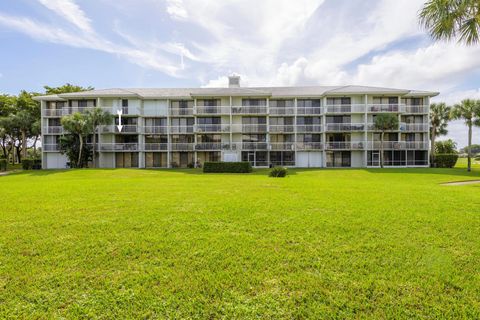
column 27, row 164
column 446, row 160
column 3, row 164
column 278, row 172
column 227, row 167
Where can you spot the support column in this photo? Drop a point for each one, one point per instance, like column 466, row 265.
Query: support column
column 365, row 116
column 195, row 155
column 267, row 138
column 324, row 136
column 295, row 112
column 169, row 138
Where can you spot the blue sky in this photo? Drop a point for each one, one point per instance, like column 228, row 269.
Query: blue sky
column 191, row 43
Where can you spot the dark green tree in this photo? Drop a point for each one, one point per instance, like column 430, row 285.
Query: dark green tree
column 385, row 122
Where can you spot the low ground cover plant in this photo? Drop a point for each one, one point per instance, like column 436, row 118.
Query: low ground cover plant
column 227, row 167
column 278, row 172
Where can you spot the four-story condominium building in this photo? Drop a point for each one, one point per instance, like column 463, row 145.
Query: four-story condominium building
column 318, row 126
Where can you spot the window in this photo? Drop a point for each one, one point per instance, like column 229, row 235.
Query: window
column 254, row 120
column 212, row 120
column 281, row 103
column 254, row 102
column 254, row 138
column 308, row 103
column 210, row 102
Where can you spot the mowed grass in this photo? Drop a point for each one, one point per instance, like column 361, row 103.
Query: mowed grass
column 390, row 243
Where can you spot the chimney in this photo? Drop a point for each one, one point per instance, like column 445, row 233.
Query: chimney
column 234, row 81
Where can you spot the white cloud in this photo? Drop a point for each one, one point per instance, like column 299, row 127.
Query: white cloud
column 71, row 12
column 176, row 9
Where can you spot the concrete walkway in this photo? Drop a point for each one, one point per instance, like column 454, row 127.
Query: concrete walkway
column 460, row 183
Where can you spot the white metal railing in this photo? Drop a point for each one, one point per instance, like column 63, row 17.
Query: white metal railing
column 210, row 146
column 212, row 110
column 53, row 130
column 371, row 127
column 417, row 109
column 249, row 109
column 345, row 127
column 182, row 146
column 309, row 128
column 253, row 128
column 118, row 147
column 281, row 111
column 390, row 107
column 127, row 128
column 51, row 147
column 417, row 127
column 345, row 108
column 309, row 146
column 309, row 111
column 279, row 146
column 212, row 128
column 345, row 145
column 181, row 111
column 389, row 145
column 415, row 145
column 52, row 112
column 279, row 128
column 155, row 129
column 181, row 129
column 254, row 145
column 149, row 146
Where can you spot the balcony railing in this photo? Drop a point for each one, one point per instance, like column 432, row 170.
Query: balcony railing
column 395, row 107
column 281, row 111
column 345, row 108
column 417, row 109
column 148, row 146
column 52, row 112
column 118, row 147
column 398, row 145
column 182, row 146
column 309, row 146
column 285, row 146
column 277, row 128
column 155, row 129
column 127, row 128
column 345, row 127
column 212, row 128
column 53, row 130
column 345, row 145
column 417, row 145
column 371, row 127
column 254, row 128
column 211, row 146
column 309, row 128
column 309, row 111
column 249, row 110
column 181, row 129
column 51, row 147
column 181, row 111
column 212, row 110
column 254, row 146
column 415, row 127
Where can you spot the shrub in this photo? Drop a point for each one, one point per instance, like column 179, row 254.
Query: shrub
column 445, row 160
column 227, row 167
column 27, row 164
column 190, row 165
column 3, row 164
column 278, row 172
column 37, row 164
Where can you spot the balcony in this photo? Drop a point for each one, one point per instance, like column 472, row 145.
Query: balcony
column 345, row 108
column 379, row 108
column 53, row 130
column 335, row 127
column 309, row 111
column 274, row 111
column 128, row 128
column 371, row 127
column 285, row 146
column 182, row 146
column 345, row 145
column 309, row 146
column 417, row 145
column 155, row 146
column 52, row 112
column 201, row 128
column 209, row 110
column 302, row 128
column 254, row 146
column 118, row 147
column 246, row 110
column 181, row 111
column 281, row 128
column 254, row 128
column 211, row 146
column 423, row 109
column 415, row 127
column 181, row 129
column 51, row 147
column 387, row 145
column 155, row 129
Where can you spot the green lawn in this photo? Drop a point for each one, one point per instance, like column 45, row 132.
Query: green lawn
column 390, row 243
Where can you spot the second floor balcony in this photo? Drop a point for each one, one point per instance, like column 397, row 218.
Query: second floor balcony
column 306, row 128
column 345, row 108
column 391, row 107
column 208, row 110
column 246, row 110
column 277, row 128
column 281, row 146
column 213, row 128
column 335, row 127
column 53, row 130
column 345, row 145
column 309, row 145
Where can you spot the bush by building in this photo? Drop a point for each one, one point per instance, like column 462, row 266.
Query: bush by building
column 278, row 172
column 445, row 160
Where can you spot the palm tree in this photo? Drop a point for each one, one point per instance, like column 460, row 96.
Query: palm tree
column 439, row 117
column 97, row 117
column 79, row 125
column 469, row 111
column 385, row 122
column 448, row 19
column 23, row 122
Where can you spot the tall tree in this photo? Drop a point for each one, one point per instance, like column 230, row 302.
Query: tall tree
column 439, row 117
column 23, row 121
column 469, row 111
column 96, row 118
column 66, row 88
column 77, row 124
column 449, row 19
column 385, row 122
